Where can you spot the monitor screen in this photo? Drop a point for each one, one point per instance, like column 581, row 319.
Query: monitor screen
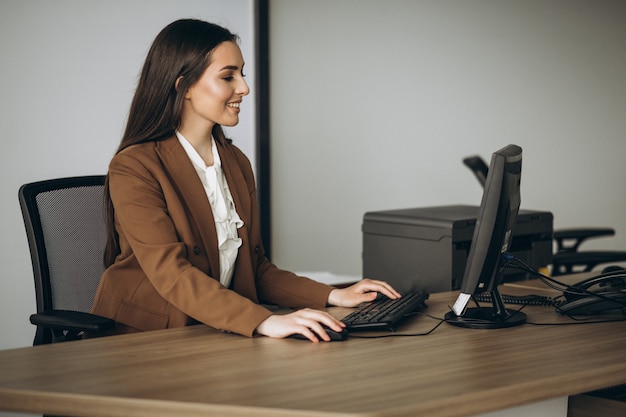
column 491, row 239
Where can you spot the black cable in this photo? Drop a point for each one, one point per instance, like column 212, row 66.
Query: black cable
column 526, row 300
column 513, row 262
column 380, row 336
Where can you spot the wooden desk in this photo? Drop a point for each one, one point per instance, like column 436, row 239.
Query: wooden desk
column 197, row 371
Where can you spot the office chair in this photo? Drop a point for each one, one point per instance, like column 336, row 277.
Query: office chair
column 567, row 259
column 64, row 220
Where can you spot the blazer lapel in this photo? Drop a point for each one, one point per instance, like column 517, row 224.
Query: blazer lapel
column 236, row 183
column 190, row 189
column 244, row 281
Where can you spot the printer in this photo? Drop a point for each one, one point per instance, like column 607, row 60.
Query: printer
column 427, row 248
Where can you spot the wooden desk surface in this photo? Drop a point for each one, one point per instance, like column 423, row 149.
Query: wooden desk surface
column 197, row 371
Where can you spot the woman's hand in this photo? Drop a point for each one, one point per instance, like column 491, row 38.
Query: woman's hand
column 307, row 322
column 363, row 291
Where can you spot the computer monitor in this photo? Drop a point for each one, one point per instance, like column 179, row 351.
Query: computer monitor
column 491, row 239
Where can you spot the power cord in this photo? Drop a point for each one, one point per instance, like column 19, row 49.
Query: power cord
column 513, row 262
column 380, row 336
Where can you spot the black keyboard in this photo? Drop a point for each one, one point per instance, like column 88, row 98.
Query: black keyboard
column 384, row 313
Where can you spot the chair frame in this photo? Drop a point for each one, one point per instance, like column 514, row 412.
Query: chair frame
column 54, row 325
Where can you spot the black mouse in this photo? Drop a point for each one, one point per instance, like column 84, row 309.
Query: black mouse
column 334, row 336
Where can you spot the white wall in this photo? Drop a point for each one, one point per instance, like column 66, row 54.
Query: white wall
column 375, row 103
column 67, row 74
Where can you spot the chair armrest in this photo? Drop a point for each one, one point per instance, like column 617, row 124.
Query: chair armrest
column 564, row 237
column 74, row 321
column 566, row 262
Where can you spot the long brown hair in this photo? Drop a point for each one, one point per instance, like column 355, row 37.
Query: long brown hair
column 181, row 51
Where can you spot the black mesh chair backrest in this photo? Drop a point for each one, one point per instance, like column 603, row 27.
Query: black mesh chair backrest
column 65, row 226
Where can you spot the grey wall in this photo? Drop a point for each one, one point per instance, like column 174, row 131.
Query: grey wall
column 375, row 103
column 67, row 74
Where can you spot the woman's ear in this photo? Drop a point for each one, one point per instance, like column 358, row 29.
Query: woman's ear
column 177, row 85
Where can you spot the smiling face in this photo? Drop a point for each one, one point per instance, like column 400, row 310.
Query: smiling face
column 217, row 95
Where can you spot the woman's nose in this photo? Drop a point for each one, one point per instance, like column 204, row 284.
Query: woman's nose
column 243, row 89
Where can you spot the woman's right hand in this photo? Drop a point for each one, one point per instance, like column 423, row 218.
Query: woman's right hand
column 307, row 322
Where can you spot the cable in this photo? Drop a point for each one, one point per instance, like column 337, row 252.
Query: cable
column 380, row 336
column 513, row 262
column 526, row 300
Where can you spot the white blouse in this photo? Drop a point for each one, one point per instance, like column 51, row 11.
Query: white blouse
column 227, row 221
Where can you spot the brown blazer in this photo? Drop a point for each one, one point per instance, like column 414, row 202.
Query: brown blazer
column 163, row 276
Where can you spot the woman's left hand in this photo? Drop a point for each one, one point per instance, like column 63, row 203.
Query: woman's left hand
column 363, row 291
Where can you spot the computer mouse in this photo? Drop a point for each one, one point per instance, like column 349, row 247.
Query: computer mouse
column 594, row 304
column 334, row 336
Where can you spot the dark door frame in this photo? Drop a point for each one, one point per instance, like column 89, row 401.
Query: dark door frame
column 261, row 28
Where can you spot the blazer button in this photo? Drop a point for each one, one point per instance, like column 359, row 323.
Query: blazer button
column 257, row 249
column 196, row 250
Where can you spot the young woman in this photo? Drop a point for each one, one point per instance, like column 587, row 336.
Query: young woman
column 184, row 242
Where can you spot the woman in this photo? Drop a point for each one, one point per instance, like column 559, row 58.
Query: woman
column 184, row 242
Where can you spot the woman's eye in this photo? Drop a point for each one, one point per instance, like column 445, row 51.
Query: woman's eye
column 232, row 77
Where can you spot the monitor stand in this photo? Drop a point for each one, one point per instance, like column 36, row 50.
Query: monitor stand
column 494, row 317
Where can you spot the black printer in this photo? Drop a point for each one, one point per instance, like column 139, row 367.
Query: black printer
column 426, row 248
